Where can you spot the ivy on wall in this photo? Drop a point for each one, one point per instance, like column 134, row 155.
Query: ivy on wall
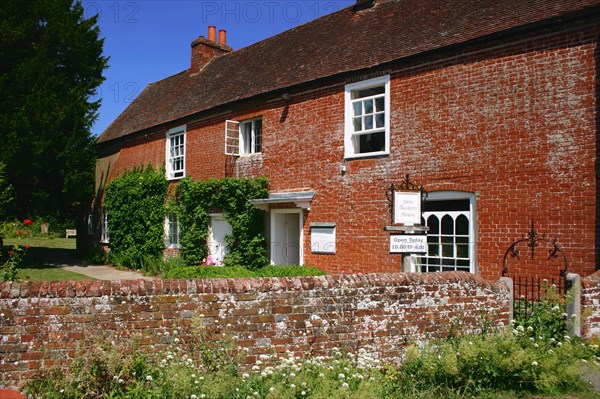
column 135, row 203
column 138, row 200
column 194, row 200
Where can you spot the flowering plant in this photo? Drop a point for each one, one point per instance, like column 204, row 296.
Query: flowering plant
column 210, row 261
column 11, row 267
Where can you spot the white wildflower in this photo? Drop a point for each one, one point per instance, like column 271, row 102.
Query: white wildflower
column 534, row 363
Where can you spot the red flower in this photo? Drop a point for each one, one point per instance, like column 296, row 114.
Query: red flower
column 19, row 232
column 27, row 246
column 11, row 252
column 28, row 222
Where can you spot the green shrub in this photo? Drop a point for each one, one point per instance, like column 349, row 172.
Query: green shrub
column 201, row 366
column 135, row 204
column 545, row 317
column 237, row 272
column 193, row 200
column 209, row 272
column 10, row 268
column 289, row 271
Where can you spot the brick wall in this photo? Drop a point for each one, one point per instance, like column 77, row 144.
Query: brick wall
column 41, row 323
column 513, row 121
column 590, row 305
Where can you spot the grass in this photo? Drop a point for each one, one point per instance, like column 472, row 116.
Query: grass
column 42, row 272
column 52, row 243
column 36, row 266
column 238, row 272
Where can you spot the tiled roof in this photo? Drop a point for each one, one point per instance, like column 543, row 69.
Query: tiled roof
column 340, row 42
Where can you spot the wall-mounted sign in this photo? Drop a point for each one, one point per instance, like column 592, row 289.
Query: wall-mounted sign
column 407, row 207
column 408, row 243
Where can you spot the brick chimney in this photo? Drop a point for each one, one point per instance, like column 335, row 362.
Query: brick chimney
column 203, row 50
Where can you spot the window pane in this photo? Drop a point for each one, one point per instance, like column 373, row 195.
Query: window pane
column 246, row 137
column 380, row 104
column 368, row 106
column 371, row 143
column 433, row 248
column 462, row 250
column 434, row 224
column 446, row 205
column 462, row 225
column 357, row 108
column 447, row 225
column 368, row 122
column 357, row 124
column 447, row 247
column 369, row 92
column 380, row 120
column 258, row 135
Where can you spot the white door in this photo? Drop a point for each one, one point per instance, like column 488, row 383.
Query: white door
column 217, row 247
column 286, row 233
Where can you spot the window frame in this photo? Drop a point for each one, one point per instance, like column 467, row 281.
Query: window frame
column 472, row 232
column 168, row 224
column 242, row 141
column 349, row 133
column 173, row 174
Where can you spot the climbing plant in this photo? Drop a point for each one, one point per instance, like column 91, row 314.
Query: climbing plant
column 135, row 205
column 195, row 199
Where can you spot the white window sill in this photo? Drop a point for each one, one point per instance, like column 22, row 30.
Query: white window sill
column 367, row 155
column 250, row 156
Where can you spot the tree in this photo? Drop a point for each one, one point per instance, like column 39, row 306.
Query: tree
column 51, row 64
column 5, row 192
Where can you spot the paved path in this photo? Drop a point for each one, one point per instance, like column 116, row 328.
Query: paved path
column 101, row 272
column 65, row 260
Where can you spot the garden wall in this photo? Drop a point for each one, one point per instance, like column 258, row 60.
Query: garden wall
column 42, row 323
column 590, row 305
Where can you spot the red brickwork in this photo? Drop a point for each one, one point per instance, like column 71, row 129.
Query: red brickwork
column 590, row 305
column 41, row 323
column 513, row 121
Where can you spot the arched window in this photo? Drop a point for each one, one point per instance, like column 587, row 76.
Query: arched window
column 450, row 216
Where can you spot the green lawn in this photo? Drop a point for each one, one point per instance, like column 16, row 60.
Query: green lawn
column 45, row 273
column 42, row 251
column 53, row 243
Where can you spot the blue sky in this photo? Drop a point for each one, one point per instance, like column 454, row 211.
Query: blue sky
column 149, row 40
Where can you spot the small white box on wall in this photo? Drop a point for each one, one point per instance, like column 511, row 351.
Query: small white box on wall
column 322, row 238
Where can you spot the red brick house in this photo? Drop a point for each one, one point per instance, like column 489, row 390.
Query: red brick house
column 491, row 106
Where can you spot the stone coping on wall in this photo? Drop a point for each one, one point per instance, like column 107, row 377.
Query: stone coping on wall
column 591, row 281
column 72, row 289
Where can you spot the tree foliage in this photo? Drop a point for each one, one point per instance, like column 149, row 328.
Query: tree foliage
column 135, row 203
column 5, row 192
column 50, row 66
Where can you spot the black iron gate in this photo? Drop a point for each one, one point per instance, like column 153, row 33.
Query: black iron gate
column 531, row 287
